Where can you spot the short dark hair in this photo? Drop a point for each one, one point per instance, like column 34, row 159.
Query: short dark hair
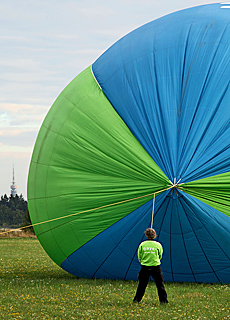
column 150, row 233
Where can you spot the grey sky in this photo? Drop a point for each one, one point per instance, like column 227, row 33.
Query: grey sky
column 43, row 46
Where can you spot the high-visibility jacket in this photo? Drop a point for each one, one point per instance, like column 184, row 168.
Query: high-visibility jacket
column 150, row 253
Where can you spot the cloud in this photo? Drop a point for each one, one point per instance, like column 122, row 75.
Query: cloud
column 5, row 150
column 18, row 115
column 23, row 108
column 4, row 120
column 18, row 137
column 13, row 132
column 19, row 126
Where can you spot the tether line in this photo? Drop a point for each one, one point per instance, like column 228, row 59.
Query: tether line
column 153, row 210
column 89, row 210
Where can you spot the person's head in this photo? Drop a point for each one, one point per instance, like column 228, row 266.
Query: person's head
column 150, row 233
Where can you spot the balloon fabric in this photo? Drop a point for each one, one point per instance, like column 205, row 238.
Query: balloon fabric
column 150, row 116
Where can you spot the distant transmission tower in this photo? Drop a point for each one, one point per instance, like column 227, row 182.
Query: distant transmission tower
column 13, row 186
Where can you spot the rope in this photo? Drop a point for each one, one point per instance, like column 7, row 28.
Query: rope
column 105, row 206
column 153, row 210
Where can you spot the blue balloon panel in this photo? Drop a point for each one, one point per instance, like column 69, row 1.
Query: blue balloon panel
column 169, row 82
column 113, row 253
column 195, row 238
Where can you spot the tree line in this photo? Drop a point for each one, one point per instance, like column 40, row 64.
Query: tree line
column 13, row 212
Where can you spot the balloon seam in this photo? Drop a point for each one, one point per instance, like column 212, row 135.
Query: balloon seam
column 95, row 77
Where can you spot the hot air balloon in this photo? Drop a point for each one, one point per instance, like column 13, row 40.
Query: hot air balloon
column 147, row 123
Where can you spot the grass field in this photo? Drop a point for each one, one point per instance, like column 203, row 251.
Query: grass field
column 33, row 287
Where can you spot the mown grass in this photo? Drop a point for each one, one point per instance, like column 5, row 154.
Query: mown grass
column 33, row 287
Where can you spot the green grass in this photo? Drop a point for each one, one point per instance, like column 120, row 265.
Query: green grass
column 33, row 287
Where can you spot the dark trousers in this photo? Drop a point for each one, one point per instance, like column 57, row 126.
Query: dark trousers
column 144, row 274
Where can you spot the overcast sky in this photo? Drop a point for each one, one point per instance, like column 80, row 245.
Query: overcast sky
column 43, row 45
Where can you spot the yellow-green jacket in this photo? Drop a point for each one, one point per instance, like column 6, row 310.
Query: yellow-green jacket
column 150, row 253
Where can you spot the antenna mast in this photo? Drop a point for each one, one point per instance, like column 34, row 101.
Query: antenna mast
column 13, row 186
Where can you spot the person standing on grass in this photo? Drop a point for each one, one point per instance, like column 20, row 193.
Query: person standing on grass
column 149, row 255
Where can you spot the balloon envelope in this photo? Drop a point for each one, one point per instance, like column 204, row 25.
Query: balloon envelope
column 151, row 111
